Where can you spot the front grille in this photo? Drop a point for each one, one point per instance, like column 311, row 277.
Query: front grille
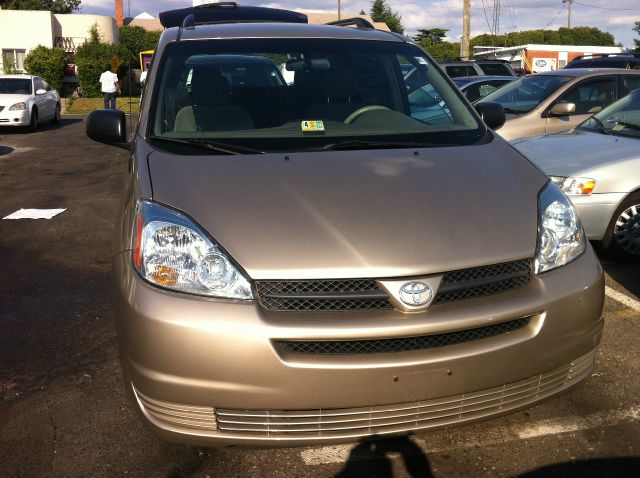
column 402, row 344
column 363, row 294
column 403, row 417
column 309, row 295
column 483, row 281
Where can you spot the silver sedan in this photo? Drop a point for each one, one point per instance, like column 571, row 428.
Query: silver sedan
column 598, row 167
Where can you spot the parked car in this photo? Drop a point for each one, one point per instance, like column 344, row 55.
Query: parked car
column 598, row 166
column 560, row 100
column 477, row 87
column 626, row 61
column 459, row 68
column 312, row 263
column 26, row 101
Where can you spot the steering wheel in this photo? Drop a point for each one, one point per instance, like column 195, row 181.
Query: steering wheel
column 360, row 111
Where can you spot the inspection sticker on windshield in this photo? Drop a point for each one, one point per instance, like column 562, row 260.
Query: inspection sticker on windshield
column 312, row 126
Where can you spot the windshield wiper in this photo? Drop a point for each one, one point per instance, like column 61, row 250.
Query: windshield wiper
column 363, row 144
column 218, row 147
column 628, row 125
column 601, row 125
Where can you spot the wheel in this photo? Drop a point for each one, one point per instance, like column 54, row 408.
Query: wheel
column 360, row 111
column 56, row 115
column 622, row 239
column 33, row 124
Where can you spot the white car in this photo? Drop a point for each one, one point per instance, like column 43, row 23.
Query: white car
column 27, row 100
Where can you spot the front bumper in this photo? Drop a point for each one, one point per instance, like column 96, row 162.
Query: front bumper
column 208, row 372
column 14, row 118
column 596, row 212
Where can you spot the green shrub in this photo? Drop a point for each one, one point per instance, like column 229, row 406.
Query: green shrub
column 47, row 63
column 91, row 58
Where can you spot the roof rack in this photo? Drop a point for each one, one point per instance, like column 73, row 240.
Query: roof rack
column 607, row 55
column 358, row 22
column 229, row 12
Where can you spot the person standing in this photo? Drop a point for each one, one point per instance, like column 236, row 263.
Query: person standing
column 110, row 85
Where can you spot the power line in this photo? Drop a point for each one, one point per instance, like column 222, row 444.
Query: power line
column 554, row 18
column 607, row 8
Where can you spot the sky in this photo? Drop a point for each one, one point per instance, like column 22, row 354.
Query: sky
column 615, row 16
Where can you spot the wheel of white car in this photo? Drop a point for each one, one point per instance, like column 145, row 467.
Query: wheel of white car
column 622, row 239
column 33, row 124
column 56, row 115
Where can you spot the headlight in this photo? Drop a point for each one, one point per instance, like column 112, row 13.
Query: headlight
column 171, row 251
column 560, row 235
column 574, row 186
column 18, row 107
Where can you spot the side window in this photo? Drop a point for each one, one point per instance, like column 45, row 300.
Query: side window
column 489, row 87
column 456, row 71
column 592, row 96
column 473, row 91
column 630, row 83
column 38, row 84
column 45, row 85
column 471, row 71
column 495, row 69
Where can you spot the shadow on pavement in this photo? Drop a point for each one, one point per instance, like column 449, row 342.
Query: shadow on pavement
column 4, row 150
column 370, row 459
column 45, row 126
column 596, row 468
column 627, row 275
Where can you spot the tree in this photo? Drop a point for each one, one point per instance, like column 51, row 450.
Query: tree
column 430, row 36
column 637, row 42
column 381, row 12
column 563, row 36
column 134, row 40
column 55, row 6
column 91, row 58
column 47, row 63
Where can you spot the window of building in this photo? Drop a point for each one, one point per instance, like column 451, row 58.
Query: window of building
column 13, row 60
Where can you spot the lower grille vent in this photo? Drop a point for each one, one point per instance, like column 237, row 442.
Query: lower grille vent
column 403, row 344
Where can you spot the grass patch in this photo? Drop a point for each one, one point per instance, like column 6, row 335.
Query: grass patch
column 87, row 105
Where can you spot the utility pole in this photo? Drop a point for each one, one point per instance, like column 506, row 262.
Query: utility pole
column 569, row 2
column 466, row 29
column 338, row 9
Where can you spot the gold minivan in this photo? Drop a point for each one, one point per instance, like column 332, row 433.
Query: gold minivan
column 320, row 240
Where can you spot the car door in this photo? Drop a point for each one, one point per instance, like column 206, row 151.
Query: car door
column 41, row 99
column 589, row 96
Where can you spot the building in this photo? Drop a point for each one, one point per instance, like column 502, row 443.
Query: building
column 536, row 58
column 22, row 30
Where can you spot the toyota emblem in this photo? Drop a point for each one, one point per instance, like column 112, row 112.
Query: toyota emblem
column 416, row 293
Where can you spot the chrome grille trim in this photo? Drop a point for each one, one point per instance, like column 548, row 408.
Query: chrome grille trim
column 353, row 422
column 363, row 294
column 400, row 344
column 170, row 413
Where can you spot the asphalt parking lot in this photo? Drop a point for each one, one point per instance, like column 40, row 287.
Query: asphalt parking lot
column 63, row 410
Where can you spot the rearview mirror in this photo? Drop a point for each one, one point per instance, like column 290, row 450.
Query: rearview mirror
column 491, row 113
column 563, row 109
column 41, row 91
column 108, row 127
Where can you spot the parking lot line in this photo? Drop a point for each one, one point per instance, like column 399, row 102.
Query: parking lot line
column 623, row 299
column 495, row 436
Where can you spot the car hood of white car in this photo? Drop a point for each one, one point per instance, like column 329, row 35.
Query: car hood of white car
column 577, row 151
column 8, row 100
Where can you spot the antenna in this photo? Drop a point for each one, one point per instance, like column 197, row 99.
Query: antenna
column 188, row 23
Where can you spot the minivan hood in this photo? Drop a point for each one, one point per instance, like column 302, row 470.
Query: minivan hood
column 350, row 214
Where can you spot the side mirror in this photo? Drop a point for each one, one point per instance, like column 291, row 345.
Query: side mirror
column 41, row 91
column 563, row 109
column 491, row 113
column 108, row 127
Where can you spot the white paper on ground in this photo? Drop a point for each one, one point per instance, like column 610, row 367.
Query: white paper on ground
column 34, row 214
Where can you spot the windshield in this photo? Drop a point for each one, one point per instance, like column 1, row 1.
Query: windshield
column 526, row 93
column 300, row 94
column 622, row 117
column 15, row 86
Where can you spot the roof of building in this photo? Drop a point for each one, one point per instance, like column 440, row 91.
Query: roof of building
column 491, row 50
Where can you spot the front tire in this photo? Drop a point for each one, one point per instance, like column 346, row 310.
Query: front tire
column 33, row 124
column 622, row 239
column 56, row 115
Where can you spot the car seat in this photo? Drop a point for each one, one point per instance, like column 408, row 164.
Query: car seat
column 211, row 108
